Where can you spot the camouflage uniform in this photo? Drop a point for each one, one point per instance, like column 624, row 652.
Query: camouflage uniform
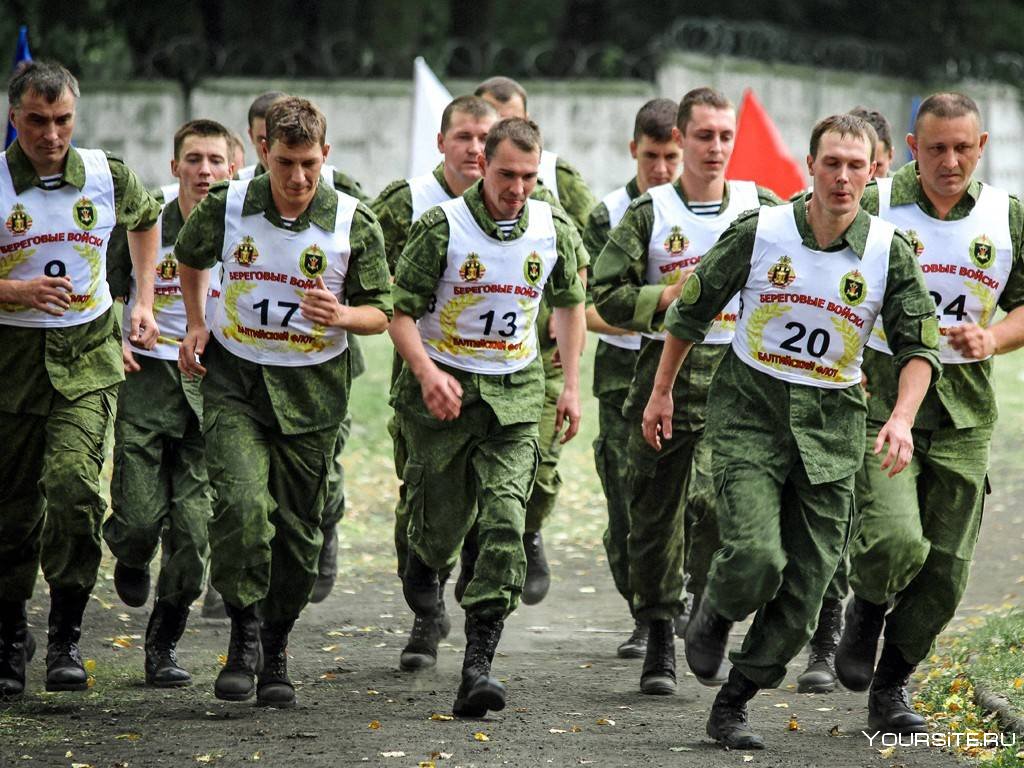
column 784, row 454
column 570, row 191
column 60, row 390
column 488, row 456
column 914, row 534
column 613, row 371
column 159, row 469
column 660, row 481
column 271, row 431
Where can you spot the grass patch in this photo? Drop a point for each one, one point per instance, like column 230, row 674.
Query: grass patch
column 988, row 654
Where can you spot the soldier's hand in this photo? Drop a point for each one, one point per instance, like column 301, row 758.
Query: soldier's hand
column 144, row 328
column 567, row 409
column 131, row 365
column 657, row 423
column 191, row 352
column 52, row 295
column 972, row 341
column 321, row 306
column 898, row 434
column 442, row 394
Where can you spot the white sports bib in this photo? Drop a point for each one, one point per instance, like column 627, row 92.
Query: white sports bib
column 617, row 201
column 547, row 172
column 426, row 192
column 966, row 262
column 59, row 233
column 168, row 303
column 483, row 316
column 170, row 191
column 680, row 238
column 267, row 271
column 806, row 314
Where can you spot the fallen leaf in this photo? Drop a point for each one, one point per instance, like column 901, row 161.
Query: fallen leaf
column 1018, row 683
column 374, row 725
column 396, row 753
column 371, row 692
column 90, row 665
column 440, row 717
column 328, row 676
column 69, row 753
column 887, row 752
column 128, row 736
column 748, row 758
column 81, row 765
column 557, row 730
column 793, row 724
column 207, row 758
column 680, row 749
column 575, row 729
column 479, row 736
column 222, row 658
column 121, row 641
column 586, row 666
column 427, row 764
column 330, row 648
column 255, row 757
column 605, row 721
column 824, row 709
column 90, row 681
column 588, row 590
column 834, row 730
column 781, row 705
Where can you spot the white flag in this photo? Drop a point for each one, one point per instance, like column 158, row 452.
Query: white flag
column 428, row 102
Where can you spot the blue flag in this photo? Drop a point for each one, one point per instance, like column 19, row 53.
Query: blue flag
column 21, row 54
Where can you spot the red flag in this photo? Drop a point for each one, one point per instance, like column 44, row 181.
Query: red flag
column 760, row 155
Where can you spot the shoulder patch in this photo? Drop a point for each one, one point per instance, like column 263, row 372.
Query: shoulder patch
column 768, row 197
column 432, row 217
column 904, row 239
column 599, row 214
column 640, row 202
column 745, row 216
column 691, row 290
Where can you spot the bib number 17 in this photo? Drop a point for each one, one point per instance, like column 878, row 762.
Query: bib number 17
column 264, row 308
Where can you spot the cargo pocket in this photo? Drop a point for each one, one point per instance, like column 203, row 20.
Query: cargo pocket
column 415, row 500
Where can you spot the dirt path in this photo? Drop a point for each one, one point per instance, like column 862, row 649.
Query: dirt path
column 571, row 701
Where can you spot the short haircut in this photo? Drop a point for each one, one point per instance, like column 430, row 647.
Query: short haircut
column 235, row 144
column 656, row 119
column 296, row 121
column 844, row 125
column 473, row 106
column 260, row 105
column 47, row 78
column 699, row 97
column 878, row 122
column 523, row 133
column 947, row 105
column 204, row 128
column 501, row 88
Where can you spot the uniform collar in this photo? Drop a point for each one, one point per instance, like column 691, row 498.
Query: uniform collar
column 855, row 237
column 322, row 210
column 439, row 175
column 678, row 187
column 475, row 202
column 907, row 189
column 23, row 173
column 171, row 222
column 633, row 189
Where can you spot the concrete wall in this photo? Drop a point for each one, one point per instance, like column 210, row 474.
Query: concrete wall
column 588, row 122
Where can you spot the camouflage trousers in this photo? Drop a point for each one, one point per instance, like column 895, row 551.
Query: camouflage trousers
column 914, row 534
column 270, row 491
column 160, row 490
column 466, row 473
column 549, row 481
column 51, row 506
column 334, row 511
column 611, row 457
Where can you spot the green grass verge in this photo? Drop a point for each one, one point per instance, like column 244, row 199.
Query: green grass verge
column 987, row 653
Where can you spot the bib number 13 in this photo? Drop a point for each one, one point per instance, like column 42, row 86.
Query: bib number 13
column 510, row 324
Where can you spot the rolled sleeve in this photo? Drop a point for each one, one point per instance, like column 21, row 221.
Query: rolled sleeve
column 564, row 287
column 421, row 264
column 621, row 295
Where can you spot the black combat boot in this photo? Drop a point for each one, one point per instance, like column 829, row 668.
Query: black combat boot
column 420, row 585
column 14, row 647
column 327, row 566
column 538, row 574
column 728, row 721
column 889, row 709
column 467, row 563
column 635, row 646
column 820, row 675
column 855, row 656
column 132, row 584
column 64, row 670
column 707, row 635
column 166, row 625
column 479, row 692
column 658, row 677
column 428, row 629
column 236, row 681
column 275, row 689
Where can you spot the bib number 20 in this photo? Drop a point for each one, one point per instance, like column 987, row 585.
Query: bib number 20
column 817, row 340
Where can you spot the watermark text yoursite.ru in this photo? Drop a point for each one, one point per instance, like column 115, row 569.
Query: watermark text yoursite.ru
column 939, row 739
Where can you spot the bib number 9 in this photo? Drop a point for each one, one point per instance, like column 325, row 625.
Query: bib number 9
column 817, row 340
column 55, row 268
